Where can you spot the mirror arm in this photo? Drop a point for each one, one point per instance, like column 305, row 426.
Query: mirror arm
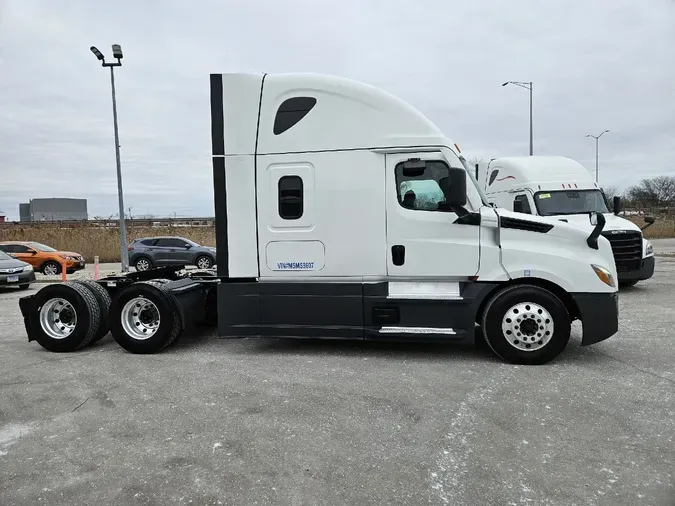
column 460, row 211
column 592, row 240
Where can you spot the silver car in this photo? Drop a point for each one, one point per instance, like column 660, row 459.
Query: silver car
column 150, row 252
column 14, row 272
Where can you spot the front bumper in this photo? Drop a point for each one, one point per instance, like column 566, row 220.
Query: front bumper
column 20, row 278
column 75, row 265
column 599, row 314
column 646, row 271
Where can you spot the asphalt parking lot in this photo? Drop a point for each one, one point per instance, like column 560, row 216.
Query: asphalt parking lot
column 249, row 422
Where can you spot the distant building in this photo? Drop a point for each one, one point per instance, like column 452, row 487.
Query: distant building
column 3, row 217
column 53, row 209
column 24, row 212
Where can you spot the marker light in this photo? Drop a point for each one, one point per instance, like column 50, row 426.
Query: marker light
column 604, row 275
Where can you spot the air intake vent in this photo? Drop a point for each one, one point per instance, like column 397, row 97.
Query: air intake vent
column 519, row 224
column 627, row 249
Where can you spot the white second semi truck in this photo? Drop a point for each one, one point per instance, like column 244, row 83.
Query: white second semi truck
column 561, row 188
column 343, row 213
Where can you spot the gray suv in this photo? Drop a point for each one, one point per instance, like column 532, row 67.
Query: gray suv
column 150, row 252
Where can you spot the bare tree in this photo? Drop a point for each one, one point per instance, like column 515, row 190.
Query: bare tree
column 654, row 192
column 610, row 192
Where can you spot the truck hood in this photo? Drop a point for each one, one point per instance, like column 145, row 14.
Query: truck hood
column 612, row 222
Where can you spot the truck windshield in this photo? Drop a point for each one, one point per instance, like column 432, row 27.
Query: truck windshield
column 570, row 202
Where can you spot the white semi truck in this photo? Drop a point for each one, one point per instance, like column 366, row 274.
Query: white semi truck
column 343, row 213
column 561, row 188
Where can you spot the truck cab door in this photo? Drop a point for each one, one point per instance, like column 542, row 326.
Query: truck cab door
column 424, row 240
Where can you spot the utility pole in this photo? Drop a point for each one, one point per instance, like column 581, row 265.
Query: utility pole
column 597, row 144
column 117, row 53
column 528, row 86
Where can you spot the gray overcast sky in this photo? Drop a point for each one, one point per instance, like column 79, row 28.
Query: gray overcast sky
column 596, row 64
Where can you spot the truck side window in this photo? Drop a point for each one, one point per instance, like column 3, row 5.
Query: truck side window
column 422, row 192
column 290, row 197
column 291, row 111
column 522, row 205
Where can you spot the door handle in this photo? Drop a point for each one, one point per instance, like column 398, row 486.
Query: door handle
column 398, row 254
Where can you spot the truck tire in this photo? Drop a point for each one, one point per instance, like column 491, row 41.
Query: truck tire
column 67, row 317
column 103, row 299
column 628, row 284
column 158, row 283
column 526, row 324
column 144, row 318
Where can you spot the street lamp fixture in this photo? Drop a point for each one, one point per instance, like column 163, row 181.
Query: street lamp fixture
column 527, row 86
column 597, row 138
column 117, row 54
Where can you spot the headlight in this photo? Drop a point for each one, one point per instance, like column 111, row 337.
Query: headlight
column 604, row 275
column 28, row 268
column 649, row 249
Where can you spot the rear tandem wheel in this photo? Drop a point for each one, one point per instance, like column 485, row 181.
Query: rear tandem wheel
column 145, row 317
column 67, row 317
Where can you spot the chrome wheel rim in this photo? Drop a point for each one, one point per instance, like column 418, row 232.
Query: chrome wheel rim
column 527, row 326
column 51, row 270
column 203, row 263
column 140, row 318
column 58, row 318
column 142, row 265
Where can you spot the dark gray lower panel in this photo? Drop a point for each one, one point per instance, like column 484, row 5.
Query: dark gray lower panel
column 309, row 310
column 343, row 311
column 420, row 315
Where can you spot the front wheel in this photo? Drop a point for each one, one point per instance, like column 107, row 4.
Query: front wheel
column 628, row 284
column 51, row 268
column 204, row 262
column 526, row 324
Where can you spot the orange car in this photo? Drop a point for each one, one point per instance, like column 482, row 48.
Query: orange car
column 43, row 258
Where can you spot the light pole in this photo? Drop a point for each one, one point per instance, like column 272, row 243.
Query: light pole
column 597, row 138
column 117, row 53
column 527, row 86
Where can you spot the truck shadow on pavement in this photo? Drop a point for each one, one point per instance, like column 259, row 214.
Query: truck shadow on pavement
column 469, row 349
column 453, row 351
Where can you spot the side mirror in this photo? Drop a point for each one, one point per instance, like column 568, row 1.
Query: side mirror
column 188, row 246
column 517, row 206
column 454, row 188
column 650, row 220
column 617, row 205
